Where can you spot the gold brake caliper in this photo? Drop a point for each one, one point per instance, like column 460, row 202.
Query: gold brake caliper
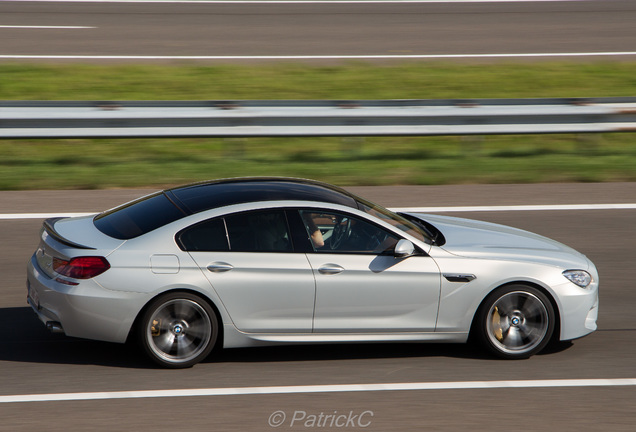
column 496, row 324
column 155, row 330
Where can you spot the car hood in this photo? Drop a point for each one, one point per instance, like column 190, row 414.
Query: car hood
column 476, row 239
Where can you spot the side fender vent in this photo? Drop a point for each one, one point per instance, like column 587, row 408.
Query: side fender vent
column 456, row 277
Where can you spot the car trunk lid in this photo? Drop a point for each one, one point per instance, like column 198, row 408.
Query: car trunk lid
column 65, row 238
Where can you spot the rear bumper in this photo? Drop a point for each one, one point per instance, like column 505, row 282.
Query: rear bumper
column 85, row 311
column 49, row 319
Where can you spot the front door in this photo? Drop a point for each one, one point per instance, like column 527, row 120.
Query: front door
column 361, row 286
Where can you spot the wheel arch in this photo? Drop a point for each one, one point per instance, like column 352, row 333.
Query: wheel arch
column 556, row 334
column 206, row 298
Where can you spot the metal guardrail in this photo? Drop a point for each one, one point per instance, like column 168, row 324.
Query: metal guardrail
column 50, row 119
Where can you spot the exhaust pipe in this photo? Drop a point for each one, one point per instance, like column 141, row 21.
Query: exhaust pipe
column 54, row 327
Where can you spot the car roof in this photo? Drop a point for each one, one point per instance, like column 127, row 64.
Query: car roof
column 198, row 197
column 148, row 213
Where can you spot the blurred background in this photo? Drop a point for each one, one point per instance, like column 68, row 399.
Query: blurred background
column 112, row 51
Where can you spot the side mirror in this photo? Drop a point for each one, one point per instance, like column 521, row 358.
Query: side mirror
column 403, row 249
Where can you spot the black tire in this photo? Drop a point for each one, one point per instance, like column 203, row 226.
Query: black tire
column 515, row 322
column 178, row 330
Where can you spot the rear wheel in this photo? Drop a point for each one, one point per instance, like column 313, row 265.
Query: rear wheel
column 178, row 330
column 515, row 321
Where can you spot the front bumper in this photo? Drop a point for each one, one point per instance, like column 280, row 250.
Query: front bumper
column 579, row 310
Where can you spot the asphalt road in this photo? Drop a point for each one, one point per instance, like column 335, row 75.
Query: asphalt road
column 35, row 362
column 395, row 29
column 32, row 361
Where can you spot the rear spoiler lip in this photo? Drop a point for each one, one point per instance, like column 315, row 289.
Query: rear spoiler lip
column 49, row 227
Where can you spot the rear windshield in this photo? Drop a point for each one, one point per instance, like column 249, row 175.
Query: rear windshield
column 138, row 217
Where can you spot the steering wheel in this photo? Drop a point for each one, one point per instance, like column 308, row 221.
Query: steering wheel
column 341, row 232
column 376, row 240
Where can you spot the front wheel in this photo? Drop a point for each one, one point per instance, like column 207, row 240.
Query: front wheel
column 515, row 322
column 178, row 330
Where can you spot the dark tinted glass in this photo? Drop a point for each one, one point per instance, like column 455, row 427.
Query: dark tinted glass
column 395, row 219
column 138, row 217
column 208, row 236
column 203, row 197
column 260, row 231
column 149, row 213
column 341, row 233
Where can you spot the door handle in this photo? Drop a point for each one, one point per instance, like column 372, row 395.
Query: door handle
column 330, row 269
column 219, row 267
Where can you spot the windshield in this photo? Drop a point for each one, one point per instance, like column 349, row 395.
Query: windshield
column 396, row 220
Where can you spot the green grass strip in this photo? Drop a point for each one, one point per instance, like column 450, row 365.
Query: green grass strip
column 53, row 164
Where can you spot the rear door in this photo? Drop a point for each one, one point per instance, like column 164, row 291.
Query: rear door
column 249, row 260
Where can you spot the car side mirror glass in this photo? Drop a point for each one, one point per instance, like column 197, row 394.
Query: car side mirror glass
column 403, row 248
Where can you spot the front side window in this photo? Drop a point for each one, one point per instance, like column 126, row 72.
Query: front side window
column 341, row 233
column 257, row 231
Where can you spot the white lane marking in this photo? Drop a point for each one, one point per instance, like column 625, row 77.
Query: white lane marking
column 567, row 207
column 44, row 27
column 558, row 207
column 313, row 57
column 296, row 1
column 461, row 385
column 8, row 216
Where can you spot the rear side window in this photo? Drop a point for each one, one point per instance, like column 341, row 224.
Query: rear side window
column 208, row 236
column 138, row 217
column 262, row 231
column 257, row 231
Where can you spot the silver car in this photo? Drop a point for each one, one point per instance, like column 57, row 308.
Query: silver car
column 263, row 261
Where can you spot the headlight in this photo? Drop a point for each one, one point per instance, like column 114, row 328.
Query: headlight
column 578, row 277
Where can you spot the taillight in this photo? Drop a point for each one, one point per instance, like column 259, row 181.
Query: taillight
column 81, row 267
